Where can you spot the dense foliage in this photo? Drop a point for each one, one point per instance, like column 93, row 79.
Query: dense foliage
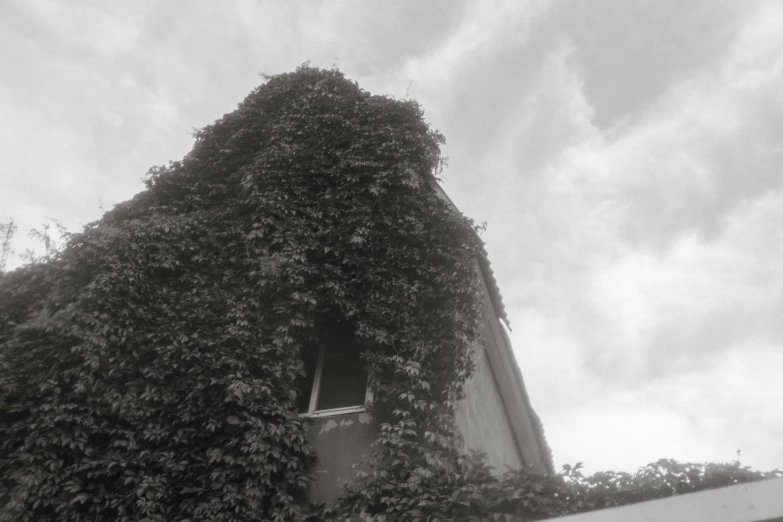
column 470, row 492
column 526, row 495
column 148, row 369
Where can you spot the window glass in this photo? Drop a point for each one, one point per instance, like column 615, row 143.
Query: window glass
column 310, row 359
column 343, row 380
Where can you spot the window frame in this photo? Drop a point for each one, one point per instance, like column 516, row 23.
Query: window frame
column 316, row 390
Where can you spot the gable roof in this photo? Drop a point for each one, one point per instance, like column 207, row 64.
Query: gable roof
column 513, row 389
column 492, row 286
column 484, row 262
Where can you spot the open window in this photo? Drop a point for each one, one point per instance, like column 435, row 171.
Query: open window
column 335, row 380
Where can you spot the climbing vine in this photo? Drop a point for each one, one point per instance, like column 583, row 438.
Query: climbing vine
column 148, row 369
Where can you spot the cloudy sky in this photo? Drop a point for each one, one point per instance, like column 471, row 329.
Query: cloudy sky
column 625, row 156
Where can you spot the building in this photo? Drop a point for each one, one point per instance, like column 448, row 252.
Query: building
column 495, row 417
column 149, row 370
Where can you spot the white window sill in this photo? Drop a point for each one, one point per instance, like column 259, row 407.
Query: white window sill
column 335, row 411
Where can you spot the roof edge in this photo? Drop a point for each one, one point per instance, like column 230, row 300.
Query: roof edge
column 486, row 266
column 518, row 388
column 538, row 427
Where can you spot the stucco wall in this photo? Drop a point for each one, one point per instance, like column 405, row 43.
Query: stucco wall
column 339, row 441
column 481, row 419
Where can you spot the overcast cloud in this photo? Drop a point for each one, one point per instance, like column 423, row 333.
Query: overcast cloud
column 625, row 155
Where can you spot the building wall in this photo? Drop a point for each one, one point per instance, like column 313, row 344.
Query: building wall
column 482, row 420
column 339, row 441
column 494, row 418
column 529, row 436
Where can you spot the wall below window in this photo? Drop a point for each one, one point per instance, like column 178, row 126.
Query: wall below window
column 339, row 441
column 482, row 420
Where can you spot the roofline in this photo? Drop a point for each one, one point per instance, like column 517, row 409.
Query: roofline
column 525, row 423
column 538, row 427
column 514, row 387
column 484, row 263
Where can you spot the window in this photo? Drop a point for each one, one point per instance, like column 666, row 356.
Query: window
column 335, row 380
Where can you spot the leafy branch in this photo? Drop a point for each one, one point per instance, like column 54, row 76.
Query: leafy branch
column 7, row 233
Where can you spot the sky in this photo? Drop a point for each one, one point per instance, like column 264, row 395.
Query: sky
column 624, row 155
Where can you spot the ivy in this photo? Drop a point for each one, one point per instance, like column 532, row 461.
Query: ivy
column 469, row 491
column 148, row 368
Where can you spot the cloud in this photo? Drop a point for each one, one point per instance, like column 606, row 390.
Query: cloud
column 682, row 416
column 647, row 258
column 625, row 156
column 630, row 53
column 699, row 299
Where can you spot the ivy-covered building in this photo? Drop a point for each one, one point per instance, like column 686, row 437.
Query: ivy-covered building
column 292, row 297
column 495, row 416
